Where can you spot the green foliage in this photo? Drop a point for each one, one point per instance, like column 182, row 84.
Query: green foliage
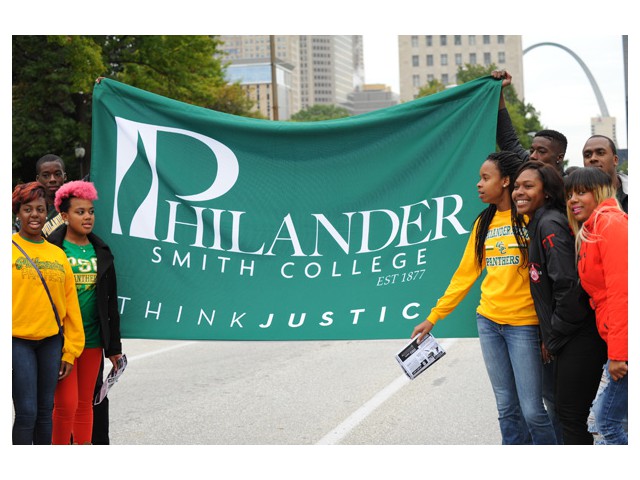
column 315, row 113
column 434, row 86
column 523, row 116
column 182, row 67
column 624, row 168
column 53, row 79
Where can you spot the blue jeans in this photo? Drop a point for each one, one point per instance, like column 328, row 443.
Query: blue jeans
column 611, row 409
column 34, row 376
column 514, row 363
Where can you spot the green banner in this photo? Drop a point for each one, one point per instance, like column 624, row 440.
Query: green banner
column 232, row 228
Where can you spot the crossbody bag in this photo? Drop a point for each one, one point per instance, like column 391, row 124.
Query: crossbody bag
column 44, row 283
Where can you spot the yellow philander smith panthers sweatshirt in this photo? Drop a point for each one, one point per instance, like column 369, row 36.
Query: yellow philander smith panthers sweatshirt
column 33, row 317
column 505, row 296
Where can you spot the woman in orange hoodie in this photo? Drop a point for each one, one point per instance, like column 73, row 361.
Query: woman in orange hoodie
column 602, row 259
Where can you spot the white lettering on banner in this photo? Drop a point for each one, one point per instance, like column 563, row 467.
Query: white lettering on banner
column 210, row 317
column 291, row 270
column 395, row 228
column 128, row 133
column 406, row 227
column 185, row 261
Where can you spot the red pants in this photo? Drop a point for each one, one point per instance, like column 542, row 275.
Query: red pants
column 73, row 402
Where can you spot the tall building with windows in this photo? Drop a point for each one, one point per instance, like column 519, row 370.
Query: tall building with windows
column 321, row 69
column 254, row 77
column 604, row 126
column 331, row 67
column 424, row 58
column 250, row 57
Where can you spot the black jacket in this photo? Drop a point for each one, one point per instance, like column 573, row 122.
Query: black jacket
column 561, row 304
column 106, row 290
column 506, row 136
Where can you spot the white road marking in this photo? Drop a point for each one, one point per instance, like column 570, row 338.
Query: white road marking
column 337, row 434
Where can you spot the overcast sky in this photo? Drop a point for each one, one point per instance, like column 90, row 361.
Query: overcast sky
column 554, row 82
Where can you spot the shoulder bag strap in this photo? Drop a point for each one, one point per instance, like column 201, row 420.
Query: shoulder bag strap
column 55, row 310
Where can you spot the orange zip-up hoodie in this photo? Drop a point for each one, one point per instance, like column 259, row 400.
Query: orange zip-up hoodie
column 603, row 268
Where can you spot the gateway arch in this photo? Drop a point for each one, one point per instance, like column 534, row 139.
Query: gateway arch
column 604, row 112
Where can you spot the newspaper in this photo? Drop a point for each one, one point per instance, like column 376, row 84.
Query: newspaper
column 415, row 358
column 110, row 381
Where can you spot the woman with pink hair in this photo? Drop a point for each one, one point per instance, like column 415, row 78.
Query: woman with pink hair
column 93, row 266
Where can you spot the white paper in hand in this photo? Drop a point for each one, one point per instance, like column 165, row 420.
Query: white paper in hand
column 112, row 378
column 416, row 357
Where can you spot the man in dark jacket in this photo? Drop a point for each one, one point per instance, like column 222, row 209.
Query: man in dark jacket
column 600, row 152
column 548, row 146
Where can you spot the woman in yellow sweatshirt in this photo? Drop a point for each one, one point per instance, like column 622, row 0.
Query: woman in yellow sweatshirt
column 506, row 317
column 40, row 355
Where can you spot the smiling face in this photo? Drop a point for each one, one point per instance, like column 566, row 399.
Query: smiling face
column 80, row 216
column 32, row 216
column 528, row 192
column 581, row 205
column 492, row 187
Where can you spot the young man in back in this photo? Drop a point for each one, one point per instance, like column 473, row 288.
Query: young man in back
column 548, row 146
column 50, row 173
column 600, row 152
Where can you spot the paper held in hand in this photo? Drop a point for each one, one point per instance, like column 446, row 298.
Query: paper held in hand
column 415, row 358
column 112, row 378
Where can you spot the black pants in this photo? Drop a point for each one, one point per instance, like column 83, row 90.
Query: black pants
column 578, row 371
column 100, row 434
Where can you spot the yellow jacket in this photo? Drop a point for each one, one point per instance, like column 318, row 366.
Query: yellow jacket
column 505, row 296
column 33, row 317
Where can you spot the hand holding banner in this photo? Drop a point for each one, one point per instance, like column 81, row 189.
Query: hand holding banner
column 226, row 227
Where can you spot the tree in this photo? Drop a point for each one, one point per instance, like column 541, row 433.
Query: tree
column 434, row 86
column 53, row 79
column 524, row 117
column 315, row 113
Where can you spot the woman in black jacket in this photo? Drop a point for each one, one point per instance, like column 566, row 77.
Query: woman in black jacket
column 567, row 322
column 93, row 265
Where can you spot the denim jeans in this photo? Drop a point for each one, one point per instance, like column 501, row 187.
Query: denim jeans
column 610, row 410
column 34, row 375
column 513, row 361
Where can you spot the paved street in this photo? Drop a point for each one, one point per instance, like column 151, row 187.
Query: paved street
column 311, row 410
column 299, row 393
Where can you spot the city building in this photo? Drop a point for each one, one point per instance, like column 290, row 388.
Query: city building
column 331, row 67
column 371, row 97
column 604, row 126
column 255, row 78
column 250, row 64
column 321, row 69
column 423, row 58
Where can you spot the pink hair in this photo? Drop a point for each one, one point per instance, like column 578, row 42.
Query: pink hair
column 76, row 189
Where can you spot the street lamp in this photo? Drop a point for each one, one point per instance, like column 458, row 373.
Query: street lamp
column 80, row 151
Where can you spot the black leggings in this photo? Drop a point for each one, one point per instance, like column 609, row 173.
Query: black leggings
column 578, row 368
